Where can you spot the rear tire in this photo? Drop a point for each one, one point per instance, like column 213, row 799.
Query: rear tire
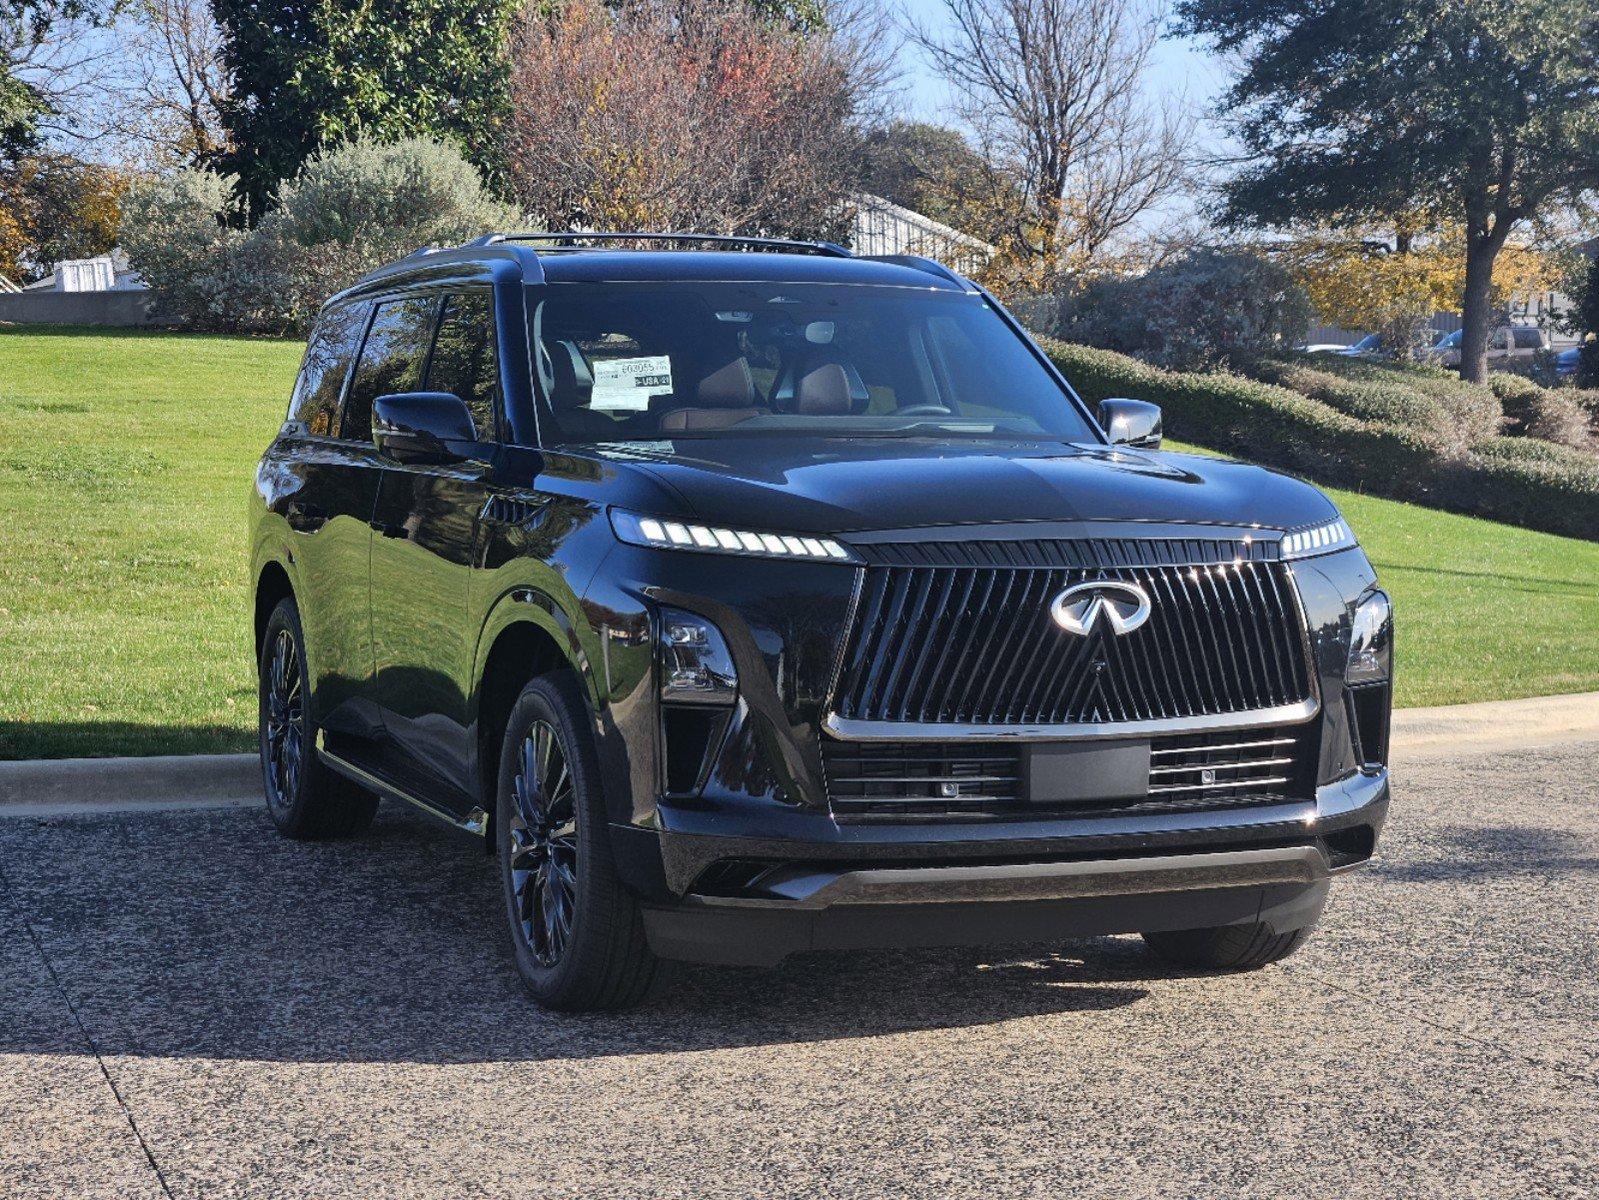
column 1227, row 947
column 305, row 799
column 576, row 932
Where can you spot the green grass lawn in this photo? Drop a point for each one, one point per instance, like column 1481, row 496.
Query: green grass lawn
column 125, row 463
column 126, row 458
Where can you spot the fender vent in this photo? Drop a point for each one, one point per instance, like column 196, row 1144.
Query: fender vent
column 503, row 510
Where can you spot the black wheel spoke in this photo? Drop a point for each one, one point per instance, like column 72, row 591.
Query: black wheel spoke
column 543, row 844
column 283, row 726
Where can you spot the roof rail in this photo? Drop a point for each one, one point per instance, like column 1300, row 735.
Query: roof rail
column 572, row 237
column 919, row 263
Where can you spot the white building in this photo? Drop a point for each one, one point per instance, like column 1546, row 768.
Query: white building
column 103, row 273
column 883, row 227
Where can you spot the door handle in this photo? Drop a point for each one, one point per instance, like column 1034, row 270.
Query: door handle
column 304, row 518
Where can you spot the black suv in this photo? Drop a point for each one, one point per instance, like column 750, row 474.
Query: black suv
column 755, row 598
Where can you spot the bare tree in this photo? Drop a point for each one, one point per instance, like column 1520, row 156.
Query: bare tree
column 49, row 52
column 1052, row 90
column 684, row 114
column 164, row 100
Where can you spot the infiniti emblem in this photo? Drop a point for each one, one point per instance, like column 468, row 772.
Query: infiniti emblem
column 1124, row 605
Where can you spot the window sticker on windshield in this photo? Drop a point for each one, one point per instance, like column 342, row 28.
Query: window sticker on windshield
column 626, row 384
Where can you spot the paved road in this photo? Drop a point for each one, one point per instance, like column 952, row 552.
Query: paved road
column 191, row 1007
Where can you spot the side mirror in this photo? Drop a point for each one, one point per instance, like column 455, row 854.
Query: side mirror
column 1134, row 423
column 417, row 427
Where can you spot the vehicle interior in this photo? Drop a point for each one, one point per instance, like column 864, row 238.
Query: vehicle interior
column 697, row 360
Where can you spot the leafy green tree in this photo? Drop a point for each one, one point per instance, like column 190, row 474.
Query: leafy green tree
column 309, row 75
column 931, row 169
column 1485, row 112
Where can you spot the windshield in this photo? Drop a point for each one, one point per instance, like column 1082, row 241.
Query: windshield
column 646, row 361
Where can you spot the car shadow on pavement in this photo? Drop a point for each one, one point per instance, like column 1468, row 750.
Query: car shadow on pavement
column 204, row 934
column 1456, row 854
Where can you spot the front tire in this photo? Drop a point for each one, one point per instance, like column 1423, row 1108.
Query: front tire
column 576, row 932
column 304, row 798
column 1226, row 947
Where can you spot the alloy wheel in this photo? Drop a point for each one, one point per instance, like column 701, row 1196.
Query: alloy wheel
column 285, row 725
column 543, row 844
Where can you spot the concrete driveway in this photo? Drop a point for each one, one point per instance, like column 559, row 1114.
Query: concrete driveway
column 191, row 1007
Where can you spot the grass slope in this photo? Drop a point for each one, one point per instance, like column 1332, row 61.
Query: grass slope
column 1483, row 611
column 125, row 463
column 125, row 460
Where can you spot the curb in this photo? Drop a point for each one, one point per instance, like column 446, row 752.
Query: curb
column 46, row 786
column 1495, row 725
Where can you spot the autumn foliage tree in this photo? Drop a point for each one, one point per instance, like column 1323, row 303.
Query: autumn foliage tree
column 669, row 115
column 1392, row 284
column 54, row 206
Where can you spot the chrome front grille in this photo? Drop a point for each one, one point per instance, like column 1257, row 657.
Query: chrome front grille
column 976, row 646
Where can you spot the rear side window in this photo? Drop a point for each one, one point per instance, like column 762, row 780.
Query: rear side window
column 464, row 360
column 1527, row 338
column 392, row 359
column 314, row 407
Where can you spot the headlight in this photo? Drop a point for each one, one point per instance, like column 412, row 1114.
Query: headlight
column 1320, row 539
column 665, row 534
column 1370, row 641
column 695, row 665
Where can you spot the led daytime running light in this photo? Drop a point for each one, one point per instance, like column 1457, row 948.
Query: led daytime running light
column 1335, row 535
column 716, row 539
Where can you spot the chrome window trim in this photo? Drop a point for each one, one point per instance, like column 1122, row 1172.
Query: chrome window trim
column 849, row 730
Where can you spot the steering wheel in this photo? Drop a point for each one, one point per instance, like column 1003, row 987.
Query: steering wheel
column 924, row 410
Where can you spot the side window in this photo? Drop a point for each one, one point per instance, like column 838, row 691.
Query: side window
column 314, row 407
column 1527, row 338
column 391, row 360
column 464, row 360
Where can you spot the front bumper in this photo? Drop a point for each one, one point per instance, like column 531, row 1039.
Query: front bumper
column 753, row 900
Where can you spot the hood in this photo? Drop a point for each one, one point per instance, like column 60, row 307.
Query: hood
column 839, row 485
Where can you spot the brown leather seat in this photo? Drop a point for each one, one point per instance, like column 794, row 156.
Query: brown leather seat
column 723, row 397
column 824, row 391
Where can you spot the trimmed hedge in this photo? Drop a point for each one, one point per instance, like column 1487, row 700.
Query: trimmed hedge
column 1535, row 484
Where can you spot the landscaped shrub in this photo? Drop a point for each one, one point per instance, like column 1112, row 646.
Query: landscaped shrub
column 353, row 208
column 1536, row 412
column 1533, row 483
column 357, row 207
column 173, row 233
column 1387, row 402
column 1475, row 412
column 1536, row 484
column 1206, row 308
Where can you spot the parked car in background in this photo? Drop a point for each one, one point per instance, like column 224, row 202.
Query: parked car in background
column 1507, row 342
column 1323, row 348
column 1369, row 346
column 1566, row 362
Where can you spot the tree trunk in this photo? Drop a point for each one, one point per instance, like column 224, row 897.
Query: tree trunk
column 1476, row 317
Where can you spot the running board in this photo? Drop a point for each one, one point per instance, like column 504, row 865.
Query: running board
column 477, row 821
